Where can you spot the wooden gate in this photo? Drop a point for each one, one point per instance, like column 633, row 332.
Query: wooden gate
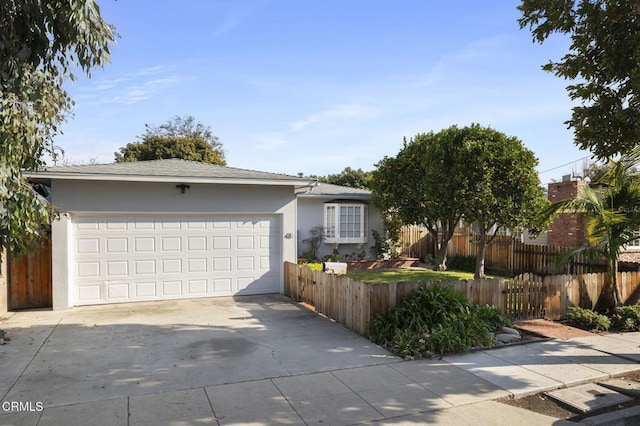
column 525, row 297
column 30, row 282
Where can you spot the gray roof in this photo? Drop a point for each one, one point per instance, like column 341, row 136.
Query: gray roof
column 335, row 191
column 165, row 170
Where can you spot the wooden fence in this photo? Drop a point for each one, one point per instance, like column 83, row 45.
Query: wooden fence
column 415, row 241
column 353, row 303
column 504, row 256
column 30, row 281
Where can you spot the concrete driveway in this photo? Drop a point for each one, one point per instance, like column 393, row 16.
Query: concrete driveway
column 100, row 352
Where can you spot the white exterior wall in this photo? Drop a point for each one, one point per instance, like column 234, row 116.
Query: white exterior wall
column 311, row 214
column 149, row 197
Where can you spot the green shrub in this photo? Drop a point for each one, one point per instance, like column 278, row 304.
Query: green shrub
column 434, row 320
column 493, row 317
column 627, row 318
column 462, row 263
column 588, row 319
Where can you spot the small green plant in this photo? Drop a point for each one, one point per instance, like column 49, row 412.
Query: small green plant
column 627, row 318
column 316, row 237
column 492, row 317
column 314, row 266
column 383, row 246
column 462, row 263
column 587, row 319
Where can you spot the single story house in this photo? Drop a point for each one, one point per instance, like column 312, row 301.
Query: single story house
column 346, row 216
column 170, row 229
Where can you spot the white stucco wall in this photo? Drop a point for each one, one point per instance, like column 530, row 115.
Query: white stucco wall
column 148, row 197
column 311, row 214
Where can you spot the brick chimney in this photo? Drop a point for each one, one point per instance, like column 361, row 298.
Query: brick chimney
column 567, row 229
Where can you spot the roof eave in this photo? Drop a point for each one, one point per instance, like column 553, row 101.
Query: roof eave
column 332, row 196
column 165, row 179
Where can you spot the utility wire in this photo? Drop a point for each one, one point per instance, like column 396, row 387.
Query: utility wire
column 567, row 164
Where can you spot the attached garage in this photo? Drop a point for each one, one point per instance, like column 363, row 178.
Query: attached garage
column 124, row 257
column 168, row 229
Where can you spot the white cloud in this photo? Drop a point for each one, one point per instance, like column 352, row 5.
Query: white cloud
column 140, row 92
column 351, row 111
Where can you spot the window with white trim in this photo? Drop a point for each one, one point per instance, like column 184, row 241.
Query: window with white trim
column 345, row 223
column 634, row 244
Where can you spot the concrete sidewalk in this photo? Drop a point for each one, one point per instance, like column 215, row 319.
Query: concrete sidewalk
column 360, row 385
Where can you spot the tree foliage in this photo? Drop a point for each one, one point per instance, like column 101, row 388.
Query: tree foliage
column 473, row 173
column 604, row 63
column 503, row 190
column 421, row 185
column 180, row 137
column 41, row 43
column 353, row 178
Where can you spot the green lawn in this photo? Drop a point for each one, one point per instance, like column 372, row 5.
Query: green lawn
column 408, row 275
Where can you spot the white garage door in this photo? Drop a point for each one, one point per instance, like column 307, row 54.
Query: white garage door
column 126, row 258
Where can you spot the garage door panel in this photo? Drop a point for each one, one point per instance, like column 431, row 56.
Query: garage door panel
column 88, row 245
column 118, row 291
column 121, row 258
column 144, row 244
column 89, row 294
column 117, row 268
column 90, row 269
column 197, row 243
column 171, row 266
column 115, row 223
column 221, row 264
column 145, row 289
column 142, row 222
column 245, row 242
column 222, row 243
column 117, row 245
column 171, row 287
column 145, row 267
column 257, row 284
column 171, row 244
column 197, row 287
column 245, row 263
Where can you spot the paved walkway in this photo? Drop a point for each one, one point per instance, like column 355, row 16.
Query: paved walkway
column 459, row 389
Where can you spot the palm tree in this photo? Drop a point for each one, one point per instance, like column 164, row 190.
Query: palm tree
column 612, row 208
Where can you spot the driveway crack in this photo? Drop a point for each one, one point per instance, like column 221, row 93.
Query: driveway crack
column 28, row 363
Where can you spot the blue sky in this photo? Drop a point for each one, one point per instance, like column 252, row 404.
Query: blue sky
column 315, row 86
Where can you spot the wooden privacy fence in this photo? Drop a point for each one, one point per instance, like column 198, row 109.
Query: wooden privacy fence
column 30, row 281
column 505, row 255
column 353, row 303
column 415, row 241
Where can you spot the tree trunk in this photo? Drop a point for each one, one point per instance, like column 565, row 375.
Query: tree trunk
column 441, row 257
column 482, row 249
column 617, row 297
column 442, row 238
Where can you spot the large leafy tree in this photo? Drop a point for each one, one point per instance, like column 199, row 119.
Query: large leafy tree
column 473, row 173
column 502, row 187
column 603, row 62
column 41, row 44
column 425, row 184
column 354, row 178
column 612, row 207
column 180, row 137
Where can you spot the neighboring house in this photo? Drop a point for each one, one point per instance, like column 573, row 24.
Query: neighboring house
column 346, row 215
column 569, row 229
column 168, row 229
